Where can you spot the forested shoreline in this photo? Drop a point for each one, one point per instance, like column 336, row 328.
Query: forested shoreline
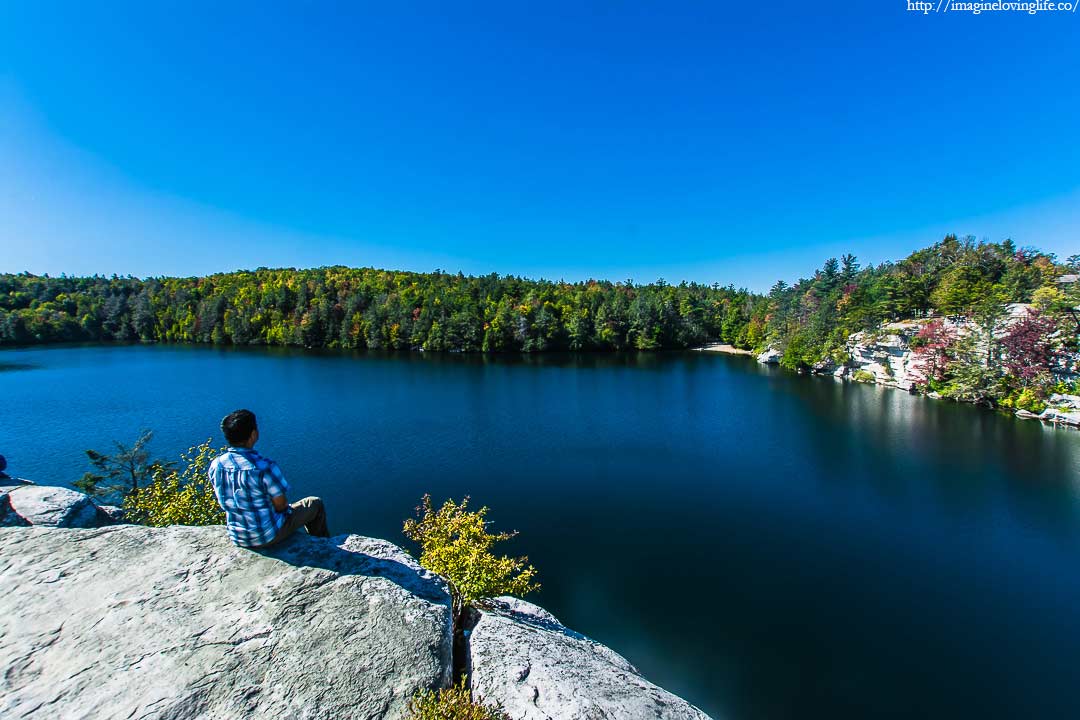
column 339, row 307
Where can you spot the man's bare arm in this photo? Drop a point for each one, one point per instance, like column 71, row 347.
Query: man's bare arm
column 280, row 503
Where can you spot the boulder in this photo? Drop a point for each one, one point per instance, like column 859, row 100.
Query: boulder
column 771, row 356
column 1067, row 402
column 525, row 659
column 135, row 622
column 52, row 506
column 1060, row 417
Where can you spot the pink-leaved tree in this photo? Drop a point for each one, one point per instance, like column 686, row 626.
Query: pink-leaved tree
column 1029, row 346
column 931, row 347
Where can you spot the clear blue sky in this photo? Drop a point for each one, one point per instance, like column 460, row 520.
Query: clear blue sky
column 710, row 141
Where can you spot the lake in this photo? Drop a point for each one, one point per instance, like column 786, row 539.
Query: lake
column 764, row 544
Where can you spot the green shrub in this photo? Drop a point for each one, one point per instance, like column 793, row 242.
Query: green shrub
column 452, row 703
column 1029, row 400
column 864, row 376
column 455, row 544
column 800, row 353
column 178, row 498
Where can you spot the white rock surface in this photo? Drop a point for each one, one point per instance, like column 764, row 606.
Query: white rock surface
column 771, row 356
column 1067, row 402
column 134, row 622
column 887, row 358
column 51, row 506
column 521, row 656
column 1060, row 417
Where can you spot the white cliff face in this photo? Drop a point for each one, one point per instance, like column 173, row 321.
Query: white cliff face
column 886, row 356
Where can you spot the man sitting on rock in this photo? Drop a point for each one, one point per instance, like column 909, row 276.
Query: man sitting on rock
column 251, row 490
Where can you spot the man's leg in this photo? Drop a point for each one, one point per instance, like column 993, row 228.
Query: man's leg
column 307, row 513
column 310, row 513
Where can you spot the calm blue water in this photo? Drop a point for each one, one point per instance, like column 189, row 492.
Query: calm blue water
column 764, row 544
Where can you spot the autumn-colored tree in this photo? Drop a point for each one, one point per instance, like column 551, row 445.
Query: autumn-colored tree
column 931, row 346
column 1030, row 346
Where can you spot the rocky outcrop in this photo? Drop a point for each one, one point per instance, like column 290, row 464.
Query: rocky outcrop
column 126, row 621
column 1060, row 409
column 135, row 622
column 50, row 506
column 1059, row 417
column 885, row 356
column 521, row 656
column 771, row 356
column 1068, row 402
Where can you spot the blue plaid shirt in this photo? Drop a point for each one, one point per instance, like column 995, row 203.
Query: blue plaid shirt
column 244, row 481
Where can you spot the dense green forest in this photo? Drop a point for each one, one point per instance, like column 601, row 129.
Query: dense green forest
column 341, row 307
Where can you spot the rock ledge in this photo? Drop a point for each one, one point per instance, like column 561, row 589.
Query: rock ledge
column 126, row 621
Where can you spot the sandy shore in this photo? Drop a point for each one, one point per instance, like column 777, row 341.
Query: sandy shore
column 727, row 349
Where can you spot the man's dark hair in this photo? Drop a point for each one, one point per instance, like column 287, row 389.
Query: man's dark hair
column 238, row 426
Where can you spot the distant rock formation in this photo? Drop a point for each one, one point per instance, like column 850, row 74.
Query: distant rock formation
column 1060, row 409
column 771, row 356
column 884, row 357
column 126, row 621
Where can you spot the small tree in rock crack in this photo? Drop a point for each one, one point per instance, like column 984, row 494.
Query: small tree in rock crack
column 454, row 543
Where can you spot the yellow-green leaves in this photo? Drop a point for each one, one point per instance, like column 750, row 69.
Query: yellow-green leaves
column 454, row 542
column 452, row 703
column 178, row 498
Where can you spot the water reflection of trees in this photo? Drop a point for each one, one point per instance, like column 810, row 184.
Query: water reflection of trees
column 974, row 463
